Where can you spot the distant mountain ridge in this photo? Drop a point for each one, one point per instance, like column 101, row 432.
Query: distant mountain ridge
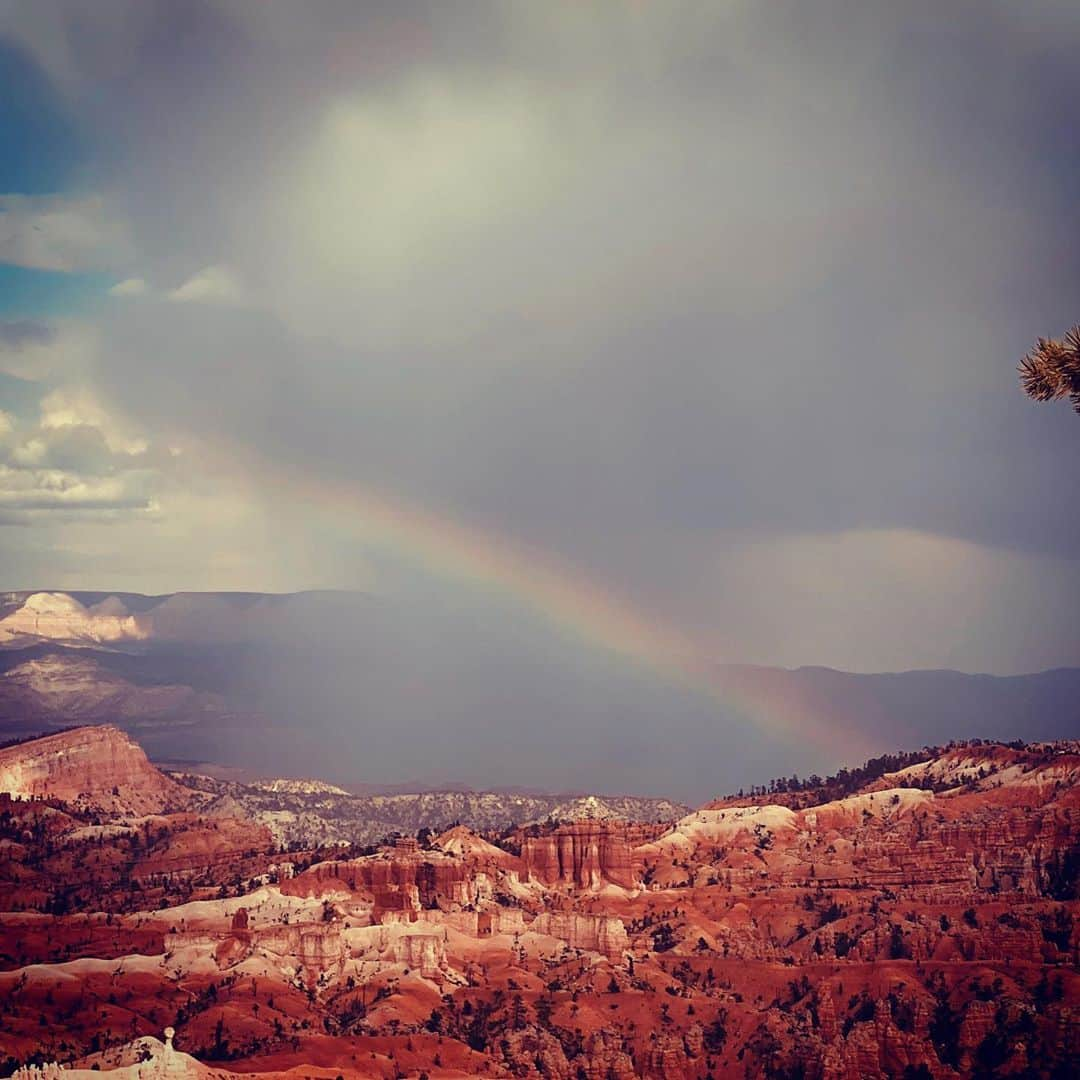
column 309, row 813
column 348, row 687
column 923, row 707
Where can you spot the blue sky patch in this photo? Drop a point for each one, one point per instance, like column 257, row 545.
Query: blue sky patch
column 40, row 149
column 42, row 294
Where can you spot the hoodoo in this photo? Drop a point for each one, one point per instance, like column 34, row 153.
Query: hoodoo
column 908, row 923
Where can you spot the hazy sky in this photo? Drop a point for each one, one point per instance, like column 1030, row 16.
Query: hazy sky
column 715, row 306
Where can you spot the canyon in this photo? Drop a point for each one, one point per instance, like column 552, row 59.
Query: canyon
column 915, row 917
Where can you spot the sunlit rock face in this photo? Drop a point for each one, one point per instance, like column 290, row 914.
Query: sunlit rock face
column 924, row 921
column 582, row 855
column 396, row 881
column 56, row 616
column 64, row 619
column 94, row 767
column 603, row 934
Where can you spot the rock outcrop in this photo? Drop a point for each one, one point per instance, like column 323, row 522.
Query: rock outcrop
column 895, row 932
column 57, row 616
column 603, row 934
column 582, row 855
column 396, row 881
column 92, row 767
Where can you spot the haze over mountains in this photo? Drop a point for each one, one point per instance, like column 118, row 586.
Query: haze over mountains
column 233, row 679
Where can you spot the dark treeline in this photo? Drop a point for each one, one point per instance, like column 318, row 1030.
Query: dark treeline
column 848, row 781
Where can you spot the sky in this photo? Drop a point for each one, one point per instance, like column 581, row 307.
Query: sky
column 689, row 324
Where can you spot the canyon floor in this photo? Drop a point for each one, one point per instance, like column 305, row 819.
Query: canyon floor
column 916, row 917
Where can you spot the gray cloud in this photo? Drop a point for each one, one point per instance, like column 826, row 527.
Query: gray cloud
column 21, row 332
column 58, row 233
column 720, row 306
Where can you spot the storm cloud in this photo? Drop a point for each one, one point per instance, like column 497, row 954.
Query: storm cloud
column 718, row 305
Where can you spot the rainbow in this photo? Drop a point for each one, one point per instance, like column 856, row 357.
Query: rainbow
column 595, row 616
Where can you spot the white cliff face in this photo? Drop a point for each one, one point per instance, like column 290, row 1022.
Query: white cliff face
column 285, row 786
column 60, row 618
column 55, row 616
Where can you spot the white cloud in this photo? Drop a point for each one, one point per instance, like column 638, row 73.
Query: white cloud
column 29, row 453
column 212, row 285
column 205, row 530
column 61, row 489
column 59, row 232
column 79, row 406
column 76, row 457
column 134, row 286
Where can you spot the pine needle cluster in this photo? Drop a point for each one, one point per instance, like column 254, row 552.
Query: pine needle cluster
column 1052, row 369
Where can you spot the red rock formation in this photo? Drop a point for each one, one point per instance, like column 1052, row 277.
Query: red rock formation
column 395, row 880
column 893, row 932
column 607, row 1058
column 594, row 933
column 582, row 855
column 318, row 949
column 93, row 767
column 423, row 952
